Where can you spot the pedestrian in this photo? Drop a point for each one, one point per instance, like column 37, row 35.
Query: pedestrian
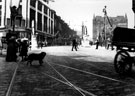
column 19, row 44
column 108, row 43
column 97, row 44
column 29, row 45
column 24, row 49
column 74, row 44
column 41, row 44
column 11, row 55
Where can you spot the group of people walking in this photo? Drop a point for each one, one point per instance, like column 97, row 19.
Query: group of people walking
column 74, row 44
column 97, row 43
column 15, row 46
column 107, row 44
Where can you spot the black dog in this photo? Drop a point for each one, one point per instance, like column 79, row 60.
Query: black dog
column 36, row 56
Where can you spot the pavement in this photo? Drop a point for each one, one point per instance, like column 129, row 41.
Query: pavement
column 7, row 68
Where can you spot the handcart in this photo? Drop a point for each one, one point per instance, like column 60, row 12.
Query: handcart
column 124, row 40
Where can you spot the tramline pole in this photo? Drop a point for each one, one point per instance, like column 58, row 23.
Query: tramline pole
column 106, row 17
column 105, row 13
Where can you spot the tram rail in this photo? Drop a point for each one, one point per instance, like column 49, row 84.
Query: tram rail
column 9, row 89
column 67, row 82
column 8, row 93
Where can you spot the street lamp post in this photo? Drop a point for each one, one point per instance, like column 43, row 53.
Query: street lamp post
column 11, row 46
column 105, row 13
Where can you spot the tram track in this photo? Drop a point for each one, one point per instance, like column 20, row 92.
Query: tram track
column 9, row 89
column 67, row 82
column 81, row 91
column 90, row 73
column 123, row 83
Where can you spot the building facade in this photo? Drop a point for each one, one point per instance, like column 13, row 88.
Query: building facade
column 102, row 29
column 29, row 11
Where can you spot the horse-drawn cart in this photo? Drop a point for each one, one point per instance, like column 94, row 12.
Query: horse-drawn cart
column 124, row 40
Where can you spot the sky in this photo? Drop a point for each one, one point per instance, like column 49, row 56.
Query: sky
column 76, row 12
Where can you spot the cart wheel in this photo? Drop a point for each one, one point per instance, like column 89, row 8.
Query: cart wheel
column 122, row 62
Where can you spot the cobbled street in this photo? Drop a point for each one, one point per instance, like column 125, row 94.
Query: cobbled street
column 86, row 72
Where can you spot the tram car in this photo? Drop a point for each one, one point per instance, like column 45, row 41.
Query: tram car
column 124, row 40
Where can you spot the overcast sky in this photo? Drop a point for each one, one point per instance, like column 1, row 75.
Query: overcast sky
column 74, row 12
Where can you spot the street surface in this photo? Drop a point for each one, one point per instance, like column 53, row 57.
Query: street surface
column 86, row 72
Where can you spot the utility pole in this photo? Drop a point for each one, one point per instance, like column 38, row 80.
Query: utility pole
column 105, row 13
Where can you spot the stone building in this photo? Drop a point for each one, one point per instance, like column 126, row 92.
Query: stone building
column 47, row 25
column 28, row 11
column 102, row 28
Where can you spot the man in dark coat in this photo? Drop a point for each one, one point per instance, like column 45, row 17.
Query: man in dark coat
column 11, row 49
column 74, row 44
column 24, row 49
column 97, row 44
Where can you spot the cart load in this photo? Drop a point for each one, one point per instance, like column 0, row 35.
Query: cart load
column 123, row 37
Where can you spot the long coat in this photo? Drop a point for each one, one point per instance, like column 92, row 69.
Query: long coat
column 11, row 50
column 24, row 48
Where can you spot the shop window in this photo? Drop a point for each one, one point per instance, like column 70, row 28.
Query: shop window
column 20, row 10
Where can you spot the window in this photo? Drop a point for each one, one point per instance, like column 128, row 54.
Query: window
column 39, row 22
column 0, row 14
column 51, row 27
column 39, row 6
column 46, row 1
column 20, row 10
column 45, row 23
column 52, row 14
column 32, row 16
column 33, row 3
column 45, row 9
